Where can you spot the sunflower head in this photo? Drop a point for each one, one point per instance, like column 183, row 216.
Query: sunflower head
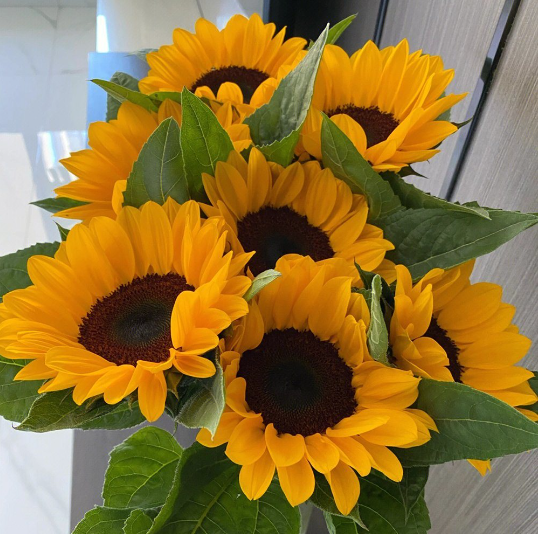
column 238, row 64
column 304, row 394
column 123, row 302
column 386, row 101
column 301, row 209
column 447, row 328
column 103, row 169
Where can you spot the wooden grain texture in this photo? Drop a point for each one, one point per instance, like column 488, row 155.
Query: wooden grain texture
column 501, row 172
column 460, row 31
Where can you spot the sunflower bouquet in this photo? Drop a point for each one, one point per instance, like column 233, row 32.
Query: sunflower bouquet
column 251, row 262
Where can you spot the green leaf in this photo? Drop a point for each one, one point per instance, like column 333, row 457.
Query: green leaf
column 285, row 113
column 13, row 271
column 377, row 335
column 338, row 29
column 386, row 507
column 203, row 402
column 262, row 280
column 141, row 470
column 112, row 104
column 137, row 523
column 346, row 163
column 204, row 142
column 122, row 94
column 57, row 410
column 158, row 172
column 54, row 205
column 337, row 524
column 413, row 198
column 103, row 520
column 63, row 231
column 282, row 151
column 471, row 424
column 161, row 96
column 428, row 238
column 210, row 500
column 16, row 397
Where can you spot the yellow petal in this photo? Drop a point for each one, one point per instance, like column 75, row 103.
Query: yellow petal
column 354, row 454
column 297, row 481
column 152, row 395
column 255, row 478
column 470, row 307
column 193, row 365
column 357, row 424
column 247, row 442
column 345, row 487
column 321, row 453
column 228, row 422
column 76, row 361
column 384, row 460
column 329, row 312
column 284, row 449
column 495, row 352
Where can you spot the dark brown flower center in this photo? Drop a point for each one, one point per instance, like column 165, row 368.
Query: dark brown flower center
column 133, row 322
column 248, row 80
column 377, row 124
column 274, row 232
column 452, row 351
column 297, row 382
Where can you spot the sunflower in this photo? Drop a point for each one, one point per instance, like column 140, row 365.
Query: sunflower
column 102, row 170
column 303, row 393
column 300, row 209
column 386, row 101
column 245, row 57
column 447, row 328
column 123, row 301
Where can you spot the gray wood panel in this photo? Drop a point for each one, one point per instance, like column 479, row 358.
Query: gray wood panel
column 460, row 31
column 501, row 172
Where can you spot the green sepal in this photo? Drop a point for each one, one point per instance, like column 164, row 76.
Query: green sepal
column 64, row 232
column 112, row 103
column 262, row 280
column 123, row 94
column 57, row 204
column 199, row 402
column 377, row 334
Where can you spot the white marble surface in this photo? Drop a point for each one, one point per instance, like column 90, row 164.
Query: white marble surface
column 43, row 67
